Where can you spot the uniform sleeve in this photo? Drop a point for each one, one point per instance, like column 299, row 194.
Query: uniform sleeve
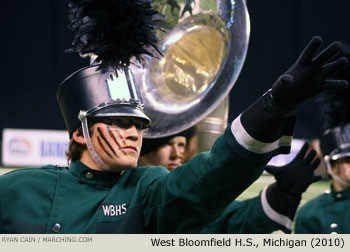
column 263, row 129
column 279, row 207
column 242, row 217
column 259, row 215
column 198, row 192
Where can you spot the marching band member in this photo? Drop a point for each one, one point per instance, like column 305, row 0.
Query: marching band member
column 102, row 190
column 328, row 213
column 275, row 207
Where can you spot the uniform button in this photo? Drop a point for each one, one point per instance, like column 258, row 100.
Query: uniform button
column 334, row 225
column 338, row 195
column 89, row 175
column 56, row 228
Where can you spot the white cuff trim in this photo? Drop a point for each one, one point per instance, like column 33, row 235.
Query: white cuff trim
column 272, row 214
column 253, row 145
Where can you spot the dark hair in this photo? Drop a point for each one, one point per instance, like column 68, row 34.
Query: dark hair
column 151, row 144
column 76, row 149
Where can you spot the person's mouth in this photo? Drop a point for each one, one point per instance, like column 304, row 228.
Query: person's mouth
column 130, row 148
column 172, row 166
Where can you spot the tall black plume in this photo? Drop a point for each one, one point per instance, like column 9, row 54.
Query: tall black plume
column 114, row 30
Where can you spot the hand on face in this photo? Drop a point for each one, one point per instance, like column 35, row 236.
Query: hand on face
column 118, row 147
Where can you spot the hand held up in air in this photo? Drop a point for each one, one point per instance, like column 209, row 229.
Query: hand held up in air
column 295, row 177
column 310, row 75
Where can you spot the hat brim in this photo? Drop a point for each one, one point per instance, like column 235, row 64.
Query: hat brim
column 121, row 110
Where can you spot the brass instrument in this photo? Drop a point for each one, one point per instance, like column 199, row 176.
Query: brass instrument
column 204, row 44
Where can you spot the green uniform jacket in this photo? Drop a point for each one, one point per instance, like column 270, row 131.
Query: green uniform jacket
column 76, row 199
column 325, row 214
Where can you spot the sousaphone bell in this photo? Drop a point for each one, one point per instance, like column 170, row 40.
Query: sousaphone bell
column 204, row 43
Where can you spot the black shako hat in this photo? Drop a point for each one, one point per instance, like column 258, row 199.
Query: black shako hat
column 114, row 33
column 335, row 142
column 99, row 94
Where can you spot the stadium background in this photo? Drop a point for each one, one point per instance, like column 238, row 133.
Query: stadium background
column 35, row 36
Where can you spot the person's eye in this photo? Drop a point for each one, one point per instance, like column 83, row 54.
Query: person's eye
column 182, row 145
column 167, row 144
column 107, row 121
column 139, row 125
column 125, row 124
column 120, row 123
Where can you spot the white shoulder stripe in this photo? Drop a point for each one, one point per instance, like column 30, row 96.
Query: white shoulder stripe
column 272, row 214
column 253, row 145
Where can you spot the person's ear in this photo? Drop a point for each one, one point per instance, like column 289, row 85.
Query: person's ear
column 79, row 138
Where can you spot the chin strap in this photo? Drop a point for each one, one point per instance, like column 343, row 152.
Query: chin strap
column 335, row 176
column 84, row 125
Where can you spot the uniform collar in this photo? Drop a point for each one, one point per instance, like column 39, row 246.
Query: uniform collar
column 93, row 177
column 341, row 195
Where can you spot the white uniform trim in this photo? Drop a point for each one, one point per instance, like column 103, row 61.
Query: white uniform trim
column 272, row 214
column 253, row 145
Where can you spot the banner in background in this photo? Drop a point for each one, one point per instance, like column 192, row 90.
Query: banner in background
column 24, row 147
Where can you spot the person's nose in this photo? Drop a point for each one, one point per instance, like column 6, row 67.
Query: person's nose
column 176, row 152
column 132, row 133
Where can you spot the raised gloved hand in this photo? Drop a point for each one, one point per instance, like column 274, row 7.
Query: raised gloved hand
column 311, row 74
column 295, row 177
